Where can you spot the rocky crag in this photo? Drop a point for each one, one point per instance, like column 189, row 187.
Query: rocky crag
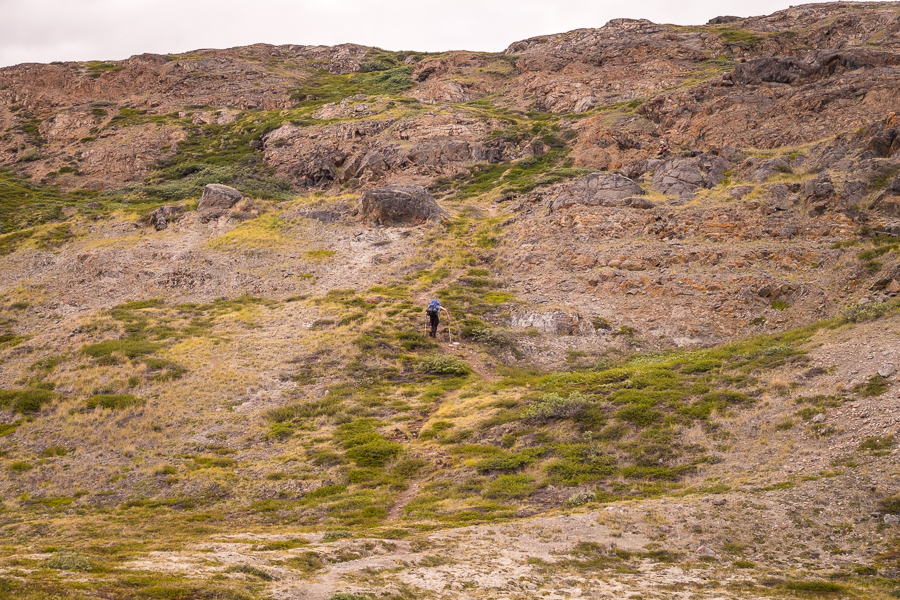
column 669, row 373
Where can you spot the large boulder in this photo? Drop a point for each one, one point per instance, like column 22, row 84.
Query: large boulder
column 399, row 205
column 597, row 189
column 683, row 176
column 218, row 197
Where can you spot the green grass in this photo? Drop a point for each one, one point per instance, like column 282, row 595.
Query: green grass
column 518, row 177
column 96, row 68
column 322, row 87
column 24, row 204
column 740, row 37
column 107, row 352
column 509, row 487
column 814, row 586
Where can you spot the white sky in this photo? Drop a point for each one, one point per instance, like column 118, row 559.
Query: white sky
column 49, row 30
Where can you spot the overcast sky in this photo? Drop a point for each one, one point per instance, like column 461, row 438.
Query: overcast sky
column 49, row 30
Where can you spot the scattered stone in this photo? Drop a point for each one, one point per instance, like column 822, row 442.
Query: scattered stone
column 887, row 370
column 399, row 205
column 641, row 203
column 325, row 216
column 740, row 191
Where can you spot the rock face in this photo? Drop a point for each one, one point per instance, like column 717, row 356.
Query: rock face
column 217, row 196
column 399, row 205
column 597, row 189
column 683, row 177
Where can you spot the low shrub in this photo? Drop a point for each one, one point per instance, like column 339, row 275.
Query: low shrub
column 25, row 401
column 554, row 406
column 114, row 401
column 814, row 586
column 130, row 348
column 859, row 313
column 508, row 487
column 877, row 444
column 875, row 386
column 364, row 445
column 53, row 451
column 641, row 415
column 506, row 461
column 443, row 364
column 490, row 336
column 279, row 431
column 251, row 570
column 890, row 504
column 72, row 561
column 375, row 453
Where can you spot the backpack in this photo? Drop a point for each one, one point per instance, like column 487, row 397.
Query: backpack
column 433, row 307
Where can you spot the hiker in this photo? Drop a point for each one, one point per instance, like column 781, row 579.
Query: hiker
column 663, row 149
column 433, row 310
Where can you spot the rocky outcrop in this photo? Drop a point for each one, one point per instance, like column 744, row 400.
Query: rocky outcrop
column 399, row 205
column 826, row 63
column 683, row 177
column 598, row 189
column 161, row 217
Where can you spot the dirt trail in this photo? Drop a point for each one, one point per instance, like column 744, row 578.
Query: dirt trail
column 402, row 500
column 472, row 357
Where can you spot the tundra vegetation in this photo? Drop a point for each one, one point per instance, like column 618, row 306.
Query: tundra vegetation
column 264, row 410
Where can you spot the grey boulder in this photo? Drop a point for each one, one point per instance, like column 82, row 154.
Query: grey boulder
column 399, row 205
column 684, row 176
column 217, row 196
column 600, row 189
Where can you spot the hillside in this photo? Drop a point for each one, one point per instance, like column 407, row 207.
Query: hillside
column 667, row 374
